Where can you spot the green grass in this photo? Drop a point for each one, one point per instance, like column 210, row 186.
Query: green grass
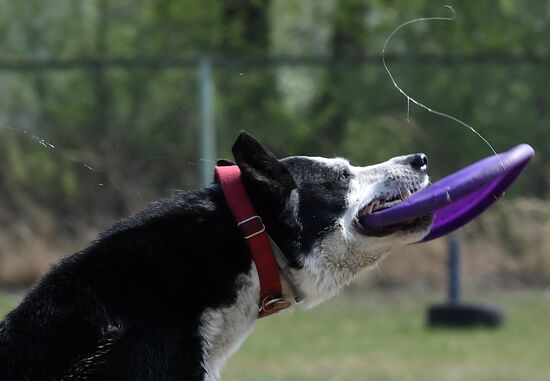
column 384, row 338
column 7, row 303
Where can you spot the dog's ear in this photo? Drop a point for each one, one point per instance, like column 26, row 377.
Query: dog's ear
column 224, row 163
column 261, row 172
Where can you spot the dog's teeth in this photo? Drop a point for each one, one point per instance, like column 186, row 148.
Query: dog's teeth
column 377, row 204
column 407, row 194
column 369, row 209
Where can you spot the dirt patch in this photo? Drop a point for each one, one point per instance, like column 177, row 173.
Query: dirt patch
column 507, row 247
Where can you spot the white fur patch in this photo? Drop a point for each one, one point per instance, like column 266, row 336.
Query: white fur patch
column 223, row 330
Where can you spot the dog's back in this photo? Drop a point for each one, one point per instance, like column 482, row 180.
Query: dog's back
column 132, row 298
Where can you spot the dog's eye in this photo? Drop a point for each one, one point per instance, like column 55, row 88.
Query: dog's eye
column 345, row 174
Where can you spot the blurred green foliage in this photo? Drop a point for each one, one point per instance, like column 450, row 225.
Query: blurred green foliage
column 303, row 76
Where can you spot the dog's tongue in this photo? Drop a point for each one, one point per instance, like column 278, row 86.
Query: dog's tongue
column 458, row 198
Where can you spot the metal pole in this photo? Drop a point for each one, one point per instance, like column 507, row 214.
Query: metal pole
column 207, row 132
column 454, row 270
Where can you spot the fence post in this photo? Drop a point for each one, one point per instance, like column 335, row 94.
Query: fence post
column 454, row 270
column 207, row 128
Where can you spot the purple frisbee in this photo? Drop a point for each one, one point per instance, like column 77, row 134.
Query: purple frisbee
column 460, row 197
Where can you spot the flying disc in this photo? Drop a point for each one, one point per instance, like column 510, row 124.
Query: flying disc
column 458, row 198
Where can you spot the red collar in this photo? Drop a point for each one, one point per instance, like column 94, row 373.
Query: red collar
column 251, row 225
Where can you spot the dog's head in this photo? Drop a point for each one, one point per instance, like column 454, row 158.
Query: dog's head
column 311, row 207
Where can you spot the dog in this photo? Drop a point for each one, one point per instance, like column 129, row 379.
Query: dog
column 171, row 292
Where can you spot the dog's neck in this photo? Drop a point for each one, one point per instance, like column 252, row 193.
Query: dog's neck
column 223, row 330
column 322, row 275
column 332, row 265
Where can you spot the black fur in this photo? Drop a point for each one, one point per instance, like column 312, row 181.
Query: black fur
column 322, row 196
column 128, row 306
column 147, row 278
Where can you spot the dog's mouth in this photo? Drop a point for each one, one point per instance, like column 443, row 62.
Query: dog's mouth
column 387, row 201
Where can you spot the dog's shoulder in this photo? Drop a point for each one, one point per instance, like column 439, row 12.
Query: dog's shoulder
column 179, row 248
column 160, row 268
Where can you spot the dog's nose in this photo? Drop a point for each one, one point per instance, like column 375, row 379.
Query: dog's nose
column 419, row 161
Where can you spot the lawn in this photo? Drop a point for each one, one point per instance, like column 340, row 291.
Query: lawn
column 7, row 302
column 383, row 338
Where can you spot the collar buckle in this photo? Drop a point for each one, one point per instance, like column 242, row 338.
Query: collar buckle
column 252, row 226
column 271, row 305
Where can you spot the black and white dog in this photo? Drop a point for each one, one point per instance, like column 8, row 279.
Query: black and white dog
column 171, row 292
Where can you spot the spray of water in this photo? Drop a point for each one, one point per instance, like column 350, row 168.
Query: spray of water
column 88, row 166
column 410, row 99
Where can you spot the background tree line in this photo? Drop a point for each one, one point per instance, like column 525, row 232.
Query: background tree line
column 114, row 84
